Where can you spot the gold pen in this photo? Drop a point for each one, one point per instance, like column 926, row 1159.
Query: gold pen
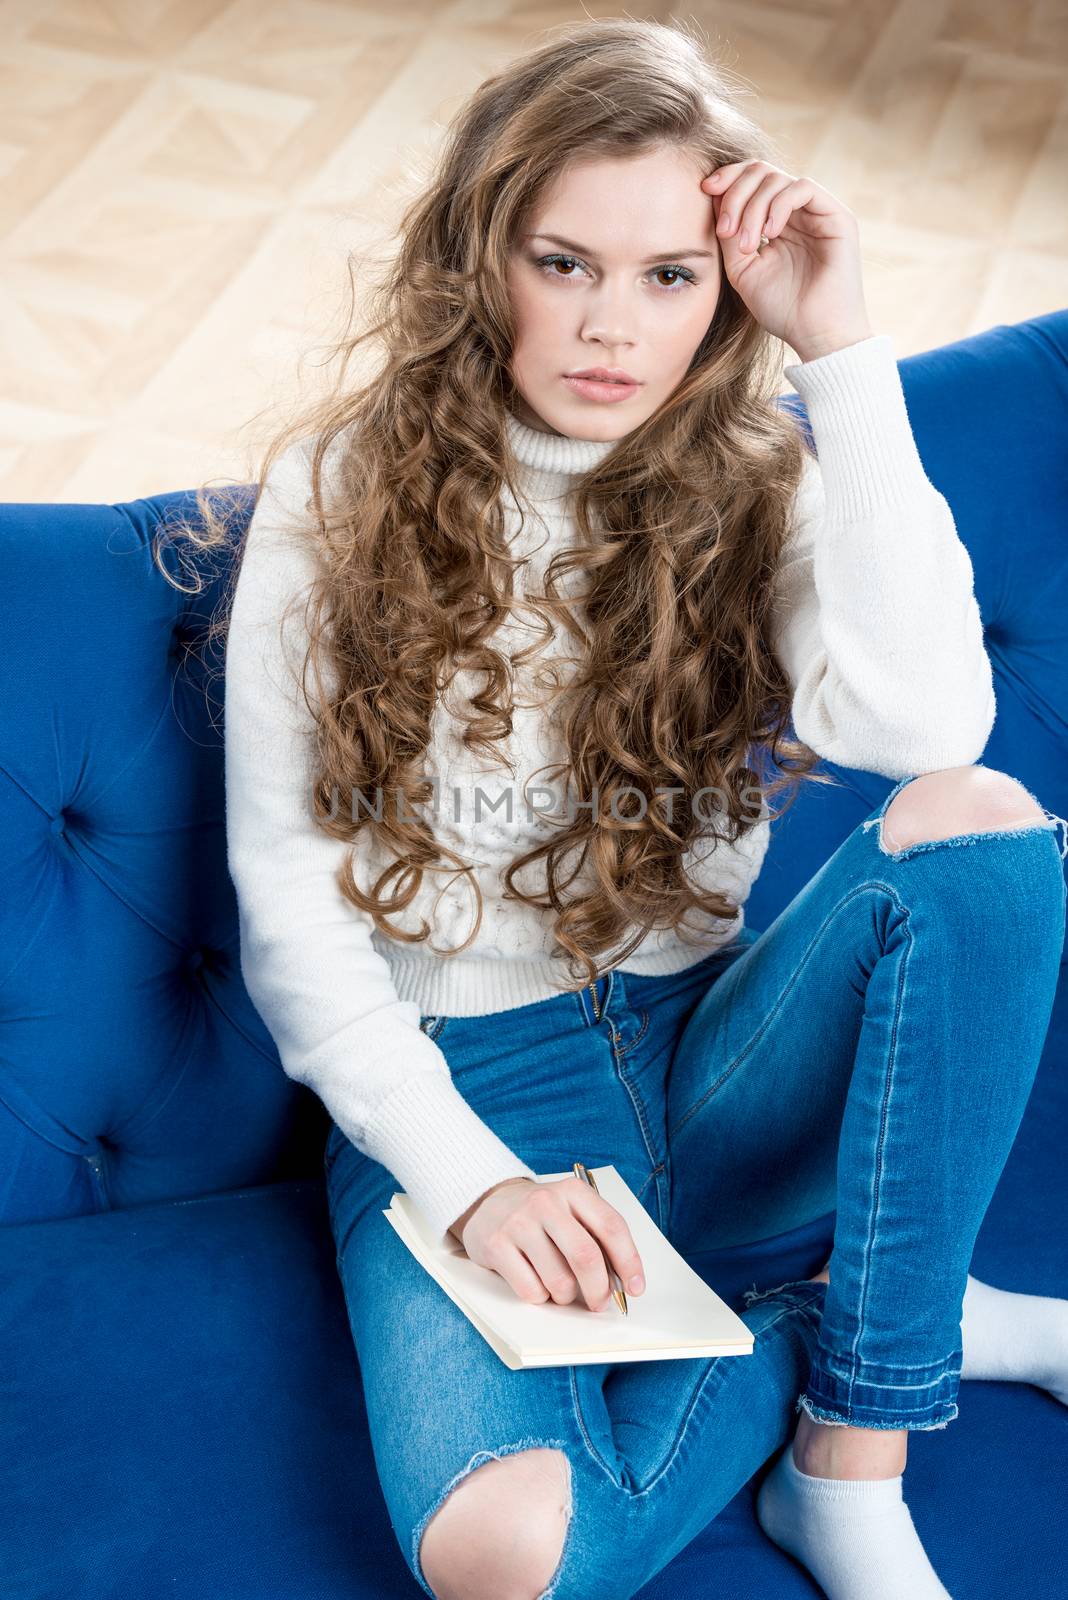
column 617, row 1287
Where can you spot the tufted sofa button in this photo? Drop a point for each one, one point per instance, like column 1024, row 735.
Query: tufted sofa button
column 182, row 640
column 58, row 824
column 194, row 961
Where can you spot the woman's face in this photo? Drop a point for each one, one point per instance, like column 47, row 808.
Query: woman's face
column 635, row 287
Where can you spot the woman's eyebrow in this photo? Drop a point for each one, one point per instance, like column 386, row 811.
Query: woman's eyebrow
column 580, row 250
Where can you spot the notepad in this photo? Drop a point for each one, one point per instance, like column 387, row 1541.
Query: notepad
column 678, row 1316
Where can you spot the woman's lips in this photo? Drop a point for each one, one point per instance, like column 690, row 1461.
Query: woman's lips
column 594, row 389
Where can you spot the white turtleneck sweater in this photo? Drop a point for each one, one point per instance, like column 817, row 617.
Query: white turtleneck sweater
column 877, row 628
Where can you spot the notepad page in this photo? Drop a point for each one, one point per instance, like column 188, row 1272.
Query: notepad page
column 678, row 1316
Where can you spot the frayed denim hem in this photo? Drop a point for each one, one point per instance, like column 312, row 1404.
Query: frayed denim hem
column 811, row 1292
column 818, row 1414
column 874, row 1396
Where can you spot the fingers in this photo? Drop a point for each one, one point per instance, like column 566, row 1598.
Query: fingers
column 755, row 199
column 745, row 190
column 783, row 204
column 611, row 1233
column 747, row 205
column 553, row 1244
column 584, row 1259
column 537, row 1238
column 504, row 1255
column 545, row 1252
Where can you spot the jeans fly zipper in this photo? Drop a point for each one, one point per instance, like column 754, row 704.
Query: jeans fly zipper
column 596, row 1008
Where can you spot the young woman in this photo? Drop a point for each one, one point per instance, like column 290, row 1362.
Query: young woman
column 484, row 560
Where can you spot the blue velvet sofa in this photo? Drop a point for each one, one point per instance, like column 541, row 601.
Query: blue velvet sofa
column 180, row 1404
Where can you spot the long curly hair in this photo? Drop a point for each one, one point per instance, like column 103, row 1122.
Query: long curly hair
column 673, row 685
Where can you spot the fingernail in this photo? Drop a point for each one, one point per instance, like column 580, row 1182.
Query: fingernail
column 636, row 1284
column 743, row 239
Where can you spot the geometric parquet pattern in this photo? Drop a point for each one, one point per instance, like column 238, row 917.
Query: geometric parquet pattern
column 182, row 183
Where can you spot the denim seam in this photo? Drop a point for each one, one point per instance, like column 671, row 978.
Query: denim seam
column 1044, row 828
column 812, row 1307
column 899, row 1366
column 712, row 1370
column 768, row 1020
column 870, row 883
column 584, row 1433
column 890, row 1383
column 876, row 1405
column 660, row 1166
column 873, row 1223
column 888, row 1090
column 888, row 889
column 640, row 1114
column 622, row 1050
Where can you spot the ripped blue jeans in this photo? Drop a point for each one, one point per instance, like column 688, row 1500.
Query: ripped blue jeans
column 865, row 1060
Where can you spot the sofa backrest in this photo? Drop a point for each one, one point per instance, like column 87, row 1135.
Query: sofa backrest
column 134, row 1066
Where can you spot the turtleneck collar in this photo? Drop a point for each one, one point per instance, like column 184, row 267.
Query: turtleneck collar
column 555, row 453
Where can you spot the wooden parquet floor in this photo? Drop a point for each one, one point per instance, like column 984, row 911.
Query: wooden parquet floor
column 182, row 183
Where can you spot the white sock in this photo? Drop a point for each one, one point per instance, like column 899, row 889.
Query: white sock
column 1019, row 1338
column 855, row 1536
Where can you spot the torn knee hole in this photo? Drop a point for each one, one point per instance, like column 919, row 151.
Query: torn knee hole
column 891, row 844
column 958, row 804
column 500, row 1527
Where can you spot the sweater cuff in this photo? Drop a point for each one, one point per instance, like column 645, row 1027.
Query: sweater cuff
column 438, row 1148
column 856, row 406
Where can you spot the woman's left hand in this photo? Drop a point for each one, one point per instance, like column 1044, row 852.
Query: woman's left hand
column 804, row 286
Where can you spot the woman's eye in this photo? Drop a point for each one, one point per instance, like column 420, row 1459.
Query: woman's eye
column 548, row 265
column 549, row 262
column 679, row 272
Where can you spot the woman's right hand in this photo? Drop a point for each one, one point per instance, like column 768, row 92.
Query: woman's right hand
column 549, row 1241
